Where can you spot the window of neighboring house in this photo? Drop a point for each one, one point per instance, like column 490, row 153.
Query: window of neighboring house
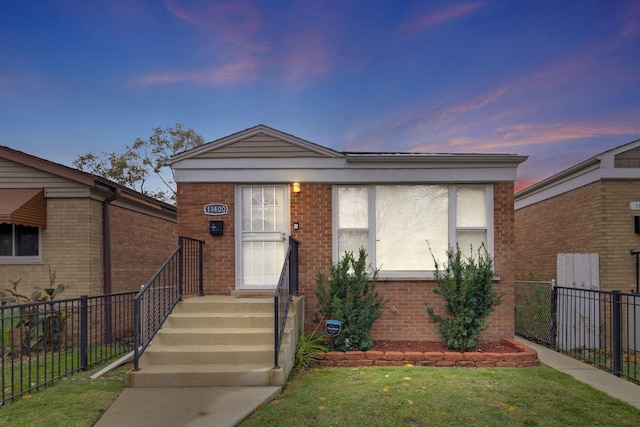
column 400, row 226
column 19, row 242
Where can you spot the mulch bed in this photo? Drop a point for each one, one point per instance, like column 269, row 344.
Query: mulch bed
column 424, row 346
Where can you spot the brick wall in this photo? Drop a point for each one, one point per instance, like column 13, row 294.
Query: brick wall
column 219, row 251
column 71, row 246
column 140, row 243
column 563, row 224
column 616, row 235
column 312, row 209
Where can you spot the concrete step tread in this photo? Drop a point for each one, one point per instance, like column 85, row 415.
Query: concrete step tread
column 205, row 367
column 209, row 330
column 209, row 347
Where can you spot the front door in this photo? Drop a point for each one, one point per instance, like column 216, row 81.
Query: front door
column 263, row 235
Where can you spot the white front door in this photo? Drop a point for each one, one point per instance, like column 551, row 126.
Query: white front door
column 263, row 235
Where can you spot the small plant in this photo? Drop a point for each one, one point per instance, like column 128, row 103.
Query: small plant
column 43, row 324
column 309, row 349
column 350, row 296
column 465, row 284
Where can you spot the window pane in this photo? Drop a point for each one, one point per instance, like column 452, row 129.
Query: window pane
column 471, row 207
column 5, row 239
column 353, row 206
column 263, row 209
column 26, row 240
column 351, row 241
column 469, row 240
column 408, row 219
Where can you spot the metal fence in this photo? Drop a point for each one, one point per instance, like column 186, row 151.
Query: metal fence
column 45, row 341
column 533, row 310
column 601, row 328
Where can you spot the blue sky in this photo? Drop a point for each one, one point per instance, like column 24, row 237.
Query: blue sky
column 558, row 81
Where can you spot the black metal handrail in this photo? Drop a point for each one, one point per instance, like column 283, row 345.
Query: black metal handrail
column 287, row 287
column 179, row 275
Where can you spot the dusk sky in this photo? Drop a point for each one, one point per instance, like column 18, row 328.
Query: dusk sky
column 557, row 80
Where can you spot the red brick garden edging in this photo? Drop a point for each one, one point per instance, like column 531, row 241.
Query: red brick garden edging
column 524, row 357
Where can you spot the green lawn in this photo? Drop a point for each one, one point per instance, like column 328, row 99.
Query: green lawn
column 415, row 396
column 393, row 396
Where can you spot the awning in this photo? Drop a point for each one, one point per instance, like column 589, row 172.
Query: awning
column 23, row 206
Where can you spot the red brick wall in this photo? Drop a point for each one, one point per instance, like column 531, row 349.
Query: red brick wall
column 219, row 251
column 562, row 224
column 140, row 243
column 312, row 209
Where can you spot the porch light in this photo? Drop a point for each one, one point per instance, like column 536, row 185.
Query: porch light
column 296, row 187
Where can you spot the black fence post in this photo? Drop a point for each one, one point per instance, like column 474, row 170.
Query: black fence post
column 617, row 333
column 84, row 333
column 554, row 318
column 200, row 269
column 181, row 267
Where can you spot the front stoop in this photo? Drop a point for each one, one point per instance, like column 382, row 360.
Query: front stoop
column 219, row 340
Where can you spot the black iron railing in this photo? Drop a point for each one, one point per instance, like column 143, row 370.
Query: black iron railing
column 601, row 328
column 181, row 274
column 45, row 341
column 287, row 287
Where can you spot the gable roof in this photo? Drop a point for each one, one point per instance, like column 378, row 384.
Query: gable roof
column 92, row 181
column 622, row 162
column 257, row 141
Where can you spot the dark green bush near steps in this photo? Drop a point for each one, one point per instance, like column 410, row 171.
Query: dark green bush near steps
column 466, row 286
column 350, row 296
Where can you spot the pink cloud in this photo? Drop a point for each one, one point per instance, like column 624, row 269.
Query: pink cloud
column 236, row 72
column 440, row 16
column 234, row 22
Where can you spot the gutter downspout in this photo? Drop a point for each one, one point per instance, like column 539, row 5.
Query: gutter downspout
column 106, row 239
column 106, row 259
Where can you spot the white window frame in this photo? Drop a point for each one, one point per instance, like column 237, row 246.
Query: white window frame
column 452, row 227
column 15, row 259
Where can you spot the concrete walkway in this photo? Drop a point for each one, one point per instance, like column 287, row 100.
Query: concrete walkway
column 186, row 407
column 600, row 380
column 228, row 406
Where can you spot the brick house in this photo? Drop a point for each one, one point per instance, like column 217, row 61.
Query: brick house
column 98, row 236
column 268, row 185
column 592, row 207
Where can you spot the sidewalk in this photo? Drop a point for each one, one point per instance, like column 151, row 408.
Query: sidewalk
column 600, row 380
column 186, row 406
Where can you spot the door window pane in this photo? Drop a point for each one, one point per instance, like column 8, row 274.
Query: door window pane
column 263, row 209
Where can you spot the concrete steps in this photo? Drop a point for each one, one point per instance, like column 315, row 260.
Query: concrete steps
column 219, row 341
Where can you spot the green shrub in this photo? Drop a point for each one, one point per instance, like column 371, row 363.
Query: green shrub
column 465, row 284
column 42, row 324
column 309, row 349
column 350, row 296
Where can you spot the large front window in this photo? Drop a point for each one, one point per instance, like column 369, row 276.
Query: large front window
column 19, row 241
column 400, row 226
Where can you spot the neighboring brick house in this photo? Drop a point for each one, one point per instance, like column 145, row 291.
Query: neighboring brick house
column 51, row 218
column 389, row 203
column 588, row 208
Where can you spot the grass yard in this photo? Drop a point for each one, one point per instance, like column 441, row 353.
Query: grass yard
column 74, row 401
column 394, row 396
column 415, row 396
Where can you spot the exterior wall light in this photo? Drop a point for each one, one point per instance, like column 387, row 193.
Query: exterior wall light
column 296, row 187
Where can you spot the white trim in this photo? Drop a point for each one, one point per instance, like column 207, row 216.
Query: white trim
column 238, row 230
column 346, row 176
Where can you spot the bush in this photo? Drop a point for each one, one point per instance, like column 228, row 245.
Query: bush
column 350, row 296
column 309, row 349
column 465, row 284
